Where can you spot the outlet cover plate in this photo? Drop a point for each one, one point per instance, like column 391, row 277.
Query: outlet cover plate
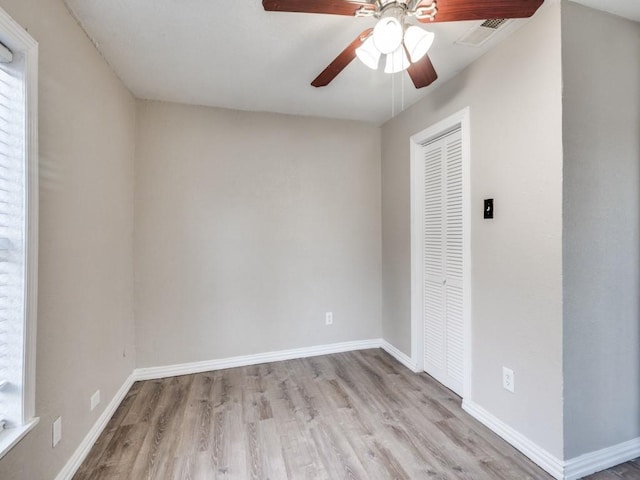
column 95, row 400
column 508, row 379
column 57, row 431
column 328, row 318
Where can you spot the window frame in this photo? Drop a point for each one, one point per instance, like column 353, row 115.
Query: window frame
column 18, row 40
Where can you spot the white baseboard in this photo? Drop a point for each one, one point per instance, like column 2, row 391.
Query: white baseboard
column 548, row 462
column 593, row 462
column 572, row 469
column 398, row 355
column 151, row 373
column 72, row 465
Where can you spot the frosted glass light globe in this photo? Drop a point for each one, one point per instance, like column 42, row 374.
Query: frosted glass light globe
column 369, row 54
column 397, row 61
column 418, row 42
column 387, row 35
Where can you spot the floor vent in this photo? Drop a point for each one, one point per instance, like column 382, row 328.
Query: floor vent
column 481, row 33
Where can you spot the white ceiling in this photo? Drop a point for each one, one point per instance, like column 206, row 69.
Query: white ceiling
column 233, row 54
column 623, row 8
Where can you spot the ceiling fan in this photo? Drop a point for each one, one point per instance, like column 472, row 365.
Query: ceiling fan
column 403, row 46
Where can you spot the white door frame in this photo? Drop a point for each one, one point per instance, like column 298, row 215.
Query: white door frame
column 462, row 120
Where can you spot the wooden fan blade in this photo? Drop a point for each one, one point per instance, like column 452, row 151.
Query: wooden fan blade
column 334, row 7
column 458, row 10
column 341, row 61
column 422, row 72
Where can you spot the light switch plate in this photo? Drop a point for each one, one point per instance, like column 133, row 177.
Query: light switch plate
column 488, row 208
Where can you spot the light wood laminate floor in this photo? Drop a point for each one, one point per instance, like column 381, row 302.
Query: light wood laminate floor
column 357, row 415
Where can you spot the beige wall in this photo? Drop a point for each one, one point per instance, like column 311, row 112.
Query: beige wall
column 248, row 228
column 85, row 324
column 601, row 241
column 514, row 95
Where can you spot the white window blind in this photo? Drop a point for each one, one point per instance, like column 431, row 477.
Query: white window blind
column 12, row 238
column 18, row 230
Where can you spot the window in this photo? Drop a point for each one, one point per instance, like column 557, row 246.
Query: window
column 18, row 230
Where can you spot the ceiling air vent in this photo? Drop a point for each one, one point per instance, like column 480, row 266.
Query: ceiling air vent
column 483, row 32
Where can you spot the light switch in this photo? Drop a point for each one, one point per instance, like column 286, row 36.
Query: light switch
column 488, row 208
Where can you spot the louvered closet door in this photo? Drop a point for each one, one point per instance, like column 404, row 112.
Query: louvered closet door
column 443, row 306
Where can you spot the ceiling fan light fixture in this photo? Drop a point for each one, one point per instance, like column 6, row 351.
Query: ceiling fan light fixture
column 387, row 35
column 369, row 54
column 389, row 31
column 397, row 61
column 418, row 42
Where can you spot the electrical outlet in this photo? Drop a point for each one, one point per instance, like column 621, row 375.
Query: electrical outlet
column 57, row 431
column 328, row 318
column 95, row 400
column 508, row 379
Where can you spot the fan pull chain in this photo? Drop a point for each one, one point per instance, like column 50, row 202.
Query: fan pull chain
column 393, row 94
column 402, row 92
column 393, row 90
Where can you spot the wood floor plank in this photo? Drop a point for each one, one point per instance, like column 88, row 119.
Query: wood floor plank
column 147, row 399
column 377, row 460
column 105, row 440
column 606, row 475
column 336, row 454
column 355, row 415
column 155, row 458
column 629, row 470
column 298, row 455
